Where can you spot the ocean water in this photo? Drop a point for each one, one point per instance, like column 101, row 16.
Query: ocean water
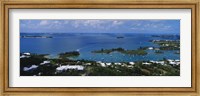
column 87, row 42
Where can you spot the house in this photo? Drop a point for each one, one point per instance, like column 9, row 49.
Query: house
column 177, row 60
column 68, row 67
column 103, row 64
column 45, row 62
column 30, row 68
column 27, row 54
column 130, row 66
column 152, row 61
column 117, row 63
column 177, row 63
column 146, row 63
column 160, row 62
column 174, row 63
column 132, row 63
column 87, row 63
column 166, row 44
column 150, row 48
column 169, row 60
column 23, row 56
column 108, row 64
column 99, row 62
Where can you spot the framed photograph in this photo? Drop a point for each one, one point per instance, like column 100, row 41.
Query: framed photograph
column 100, row 47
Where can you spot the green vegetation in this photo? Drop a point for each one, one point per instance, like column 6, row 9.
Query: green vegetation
column 95, row 69
column 121, row 50
column 27, row 62
column 69, row 54
column 167, row 44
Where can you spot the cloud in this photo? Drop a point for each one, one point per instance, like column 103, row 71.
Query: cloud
column 66, row 22
column 89, row 23
column 151, row 25
column 43, row 22
column 50, row 24
column 100, row 25
column 116, row 23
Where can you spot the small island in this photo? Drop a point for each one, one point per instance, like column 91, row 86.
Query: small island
column 167, row 44
column 69, row 54
column 121, row 50
column 120, row 37
column 36, row 37
column 167, row 36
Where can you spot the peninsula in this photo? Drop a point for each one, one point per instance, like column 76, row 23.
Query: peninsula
column 121, row 50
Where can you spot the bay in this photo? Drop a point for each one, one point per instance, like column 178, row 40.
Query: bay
column 87, row 42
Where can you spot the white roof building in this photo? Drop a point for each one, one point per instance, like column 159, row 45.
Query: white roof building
column 150, row 48
column 66, row 67
column 26, row 53
column 23, row 56
column 146, row 63
column 132, row 63
column 177, row 60
column 169, row 60
column 108, row 64
column 177, row 63
column 87, row 63
column 103, row 64
column 117, row 63
column 45, row 62
column 174, row 63
column 160, row 62
column 130, row 66
column 152, row 61
column 99, row 62
column 30, row 68
column 166, row 44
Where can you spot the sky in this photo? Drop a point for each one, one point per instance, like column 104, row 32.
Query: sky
column 100, row 26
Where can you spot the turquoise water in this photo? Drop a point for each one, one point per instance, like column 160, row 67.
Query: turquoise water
column 87, row 42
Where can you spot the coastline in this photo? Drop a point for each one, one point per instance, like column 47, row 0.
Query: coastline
column 66, row 67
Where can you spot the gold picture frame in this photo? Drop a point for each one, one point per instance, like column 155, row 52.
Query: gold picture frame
column 127, row 4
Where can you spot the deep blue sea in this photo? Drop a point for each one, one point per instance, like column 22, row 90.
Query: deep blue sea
column 87, row 42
